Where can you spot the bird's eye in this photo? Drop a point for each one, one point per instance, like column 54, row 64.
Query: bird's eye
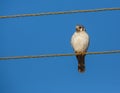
column 79, row 27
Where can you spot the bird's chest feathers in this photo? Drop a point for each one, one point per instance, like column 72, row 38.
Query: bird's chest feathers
column 80, row 38
column 80, row 41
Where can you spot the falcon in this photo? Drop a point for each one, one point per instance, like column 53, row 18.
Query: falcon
column 80, row 43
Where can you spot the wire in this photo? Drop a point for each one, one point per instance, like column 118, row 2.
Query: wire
column 61, row 12
column 58, row 55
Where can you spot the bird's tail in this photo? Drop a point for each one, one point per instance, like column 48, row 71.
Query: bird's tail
column 81, row 63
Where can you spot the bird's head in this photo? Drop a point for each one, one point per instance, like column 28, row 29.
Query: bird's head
column 80, row 28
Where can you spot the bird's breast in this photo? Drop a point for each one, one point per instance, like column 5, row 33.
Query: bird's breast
column 80, row 41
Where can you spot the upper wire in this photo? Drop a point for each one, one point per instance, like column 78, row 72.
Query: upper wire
column 60, row 12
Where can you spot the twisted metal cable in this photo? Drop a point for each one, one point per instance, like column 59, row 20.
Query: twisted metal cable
column 60, row 12
column 58, row 55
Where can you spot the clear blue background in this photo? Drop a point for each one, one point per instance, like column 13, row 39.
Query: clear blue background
column 51, row 35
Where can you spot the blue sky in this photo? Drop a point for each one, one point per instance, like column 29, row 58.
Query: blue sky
column 51, row 35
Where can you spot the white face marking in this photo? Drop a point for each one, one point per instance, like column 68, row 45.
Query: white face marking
column 79, row 28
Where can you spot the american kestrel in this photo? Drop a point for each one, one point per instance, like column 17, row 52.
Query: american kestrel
column 80, row 43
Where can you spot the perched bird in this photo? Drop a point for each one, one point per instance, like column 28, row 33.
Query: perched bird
column 80, row 43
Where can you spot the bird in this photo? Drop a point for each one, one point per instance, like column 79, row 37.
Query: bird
column 80, row 43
